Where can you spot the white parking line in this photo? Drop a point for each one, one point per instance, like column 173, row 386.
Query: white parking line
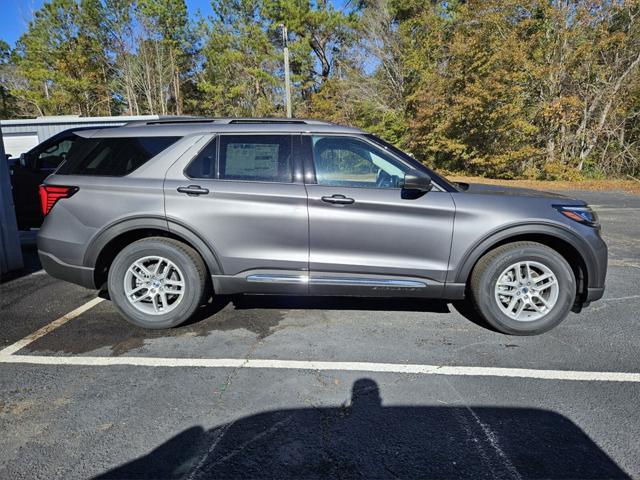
column 615, row 299
column 7, row 355
column 606, row 208
column 20, row 344
column 326, row 366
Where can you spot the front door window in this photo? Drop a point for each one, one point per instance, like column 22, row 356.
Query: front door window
column 349, row 162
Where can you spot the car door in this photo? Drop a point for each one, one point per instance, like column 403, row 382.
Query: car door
column 243, row 194
column 366, row 233
column 34, row 167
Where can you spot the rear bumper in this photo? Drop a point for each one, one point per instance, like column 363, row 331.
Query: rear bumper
column 71, row 273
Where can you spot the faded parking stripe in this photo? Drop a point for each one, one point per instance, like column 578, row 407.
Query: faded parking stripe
column 20, row 344
column 584, row 376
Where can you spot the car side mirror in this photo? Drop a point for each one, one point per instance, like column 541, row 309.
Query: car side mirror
column 420, row 182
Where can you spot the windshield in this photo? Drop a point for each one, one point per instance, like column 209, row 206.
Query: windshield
column 446, row 184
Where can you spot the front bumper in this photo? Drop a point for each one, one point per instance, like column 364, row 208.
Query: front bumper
column 596, row 259
column 594, row 294
column 597, row 264
column 71, row 273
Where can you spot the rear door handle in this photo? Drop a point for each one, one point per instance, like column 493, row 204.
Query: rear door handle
column 193, row 190
column 338, row 200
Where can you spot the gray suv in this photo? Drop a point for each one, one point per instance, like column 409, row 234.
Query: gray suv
column 166, row 213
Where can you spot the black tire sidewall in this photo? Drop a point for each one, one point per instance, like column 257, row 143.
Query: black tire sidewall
column 566, row 296
column 193, row 284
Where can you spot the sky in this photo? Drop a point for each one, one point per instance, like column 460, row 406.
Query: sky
column 15, row 16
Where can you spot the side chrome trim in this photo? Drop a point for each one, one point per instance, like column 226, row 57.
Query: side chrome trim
column 354, row 281
column 366, row 282
column 296, row 279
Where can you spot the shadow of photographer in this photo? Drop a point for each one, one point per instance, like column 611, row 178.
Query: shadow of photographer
column 368, row 440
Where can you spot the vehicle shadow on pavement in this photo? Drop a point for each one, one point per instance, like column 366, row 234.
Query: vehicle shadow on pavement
column 463, row 307
column 339, row 303
column 261, row 315
column 368, row 440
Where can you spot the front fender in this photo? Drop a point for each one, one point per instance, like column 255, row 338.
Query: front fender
column 594, row 261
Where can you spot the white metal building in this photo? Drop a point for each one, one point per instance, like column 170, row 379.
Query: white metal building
column 20, row 136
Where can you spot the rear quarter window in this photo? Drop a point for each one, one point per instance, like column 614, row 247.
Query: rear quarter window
column 114, row 157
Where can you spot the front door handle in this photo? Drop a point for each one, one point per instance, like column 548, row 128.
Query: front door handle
column 338, row 200
column 193, row 190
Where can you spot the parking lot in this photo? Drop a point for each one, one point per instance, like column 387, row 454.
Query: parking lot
column 322, row 387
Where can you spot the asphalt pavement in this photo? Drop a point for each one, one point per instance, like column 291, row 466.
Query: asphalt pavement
column 277, row 387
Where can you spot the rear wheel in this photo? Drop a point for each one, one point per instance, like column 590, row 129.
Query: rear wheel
column 157, row 282
column 523, row 288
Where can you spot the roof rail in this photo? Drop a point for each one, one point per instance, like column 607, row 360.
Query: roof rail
column 298, row 121
column 168, row 119
column 184, row 120
column 232, row 120
column 265, row 120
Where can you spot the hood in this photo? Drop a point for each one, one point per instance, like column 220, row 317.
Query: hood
column 484, row 189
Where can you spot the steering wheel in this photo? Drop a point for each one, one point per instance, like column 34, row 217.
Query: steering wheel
column 384, row 180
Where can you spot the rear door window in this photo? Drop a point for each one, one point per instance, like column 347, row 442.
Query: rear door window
column 262, row 158
column 114, row 156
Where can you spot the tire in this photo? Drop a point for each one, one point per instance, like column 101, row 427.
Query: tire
column 544, row 303
column 177, row 288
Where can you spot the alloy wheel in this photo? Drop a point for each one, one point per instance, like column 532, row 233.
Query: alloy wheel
column 527, row 291
column 154, row 285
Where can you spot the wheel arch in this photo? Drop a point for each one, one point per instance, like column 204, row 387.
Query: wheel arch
column 565, row 242
column 105, row 245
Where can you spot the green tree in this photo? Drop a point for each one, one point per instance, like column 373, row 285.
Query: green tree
column 167, row 23
column 514, row 88
column 316, row 28
column 508, row 88
column 376, row 83
column 240, row 68
column 61, row 62
column 243, row 53
column 8, row 104
column 471, row 109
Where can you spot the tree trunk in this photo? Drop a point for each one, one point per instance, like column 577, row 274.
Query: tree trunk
column 551, row 148
column 176, row 83
column 592, row 139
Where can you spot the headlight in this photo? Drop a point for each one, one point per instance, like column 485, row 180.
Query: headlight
column 580, row 214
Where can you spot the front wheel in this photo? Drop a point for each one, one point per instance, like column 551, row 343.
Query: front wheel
column 523, row 288
column 157, row 282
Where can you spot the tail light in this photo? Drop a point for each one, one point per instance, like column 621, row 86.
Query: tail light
column 50, row 194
